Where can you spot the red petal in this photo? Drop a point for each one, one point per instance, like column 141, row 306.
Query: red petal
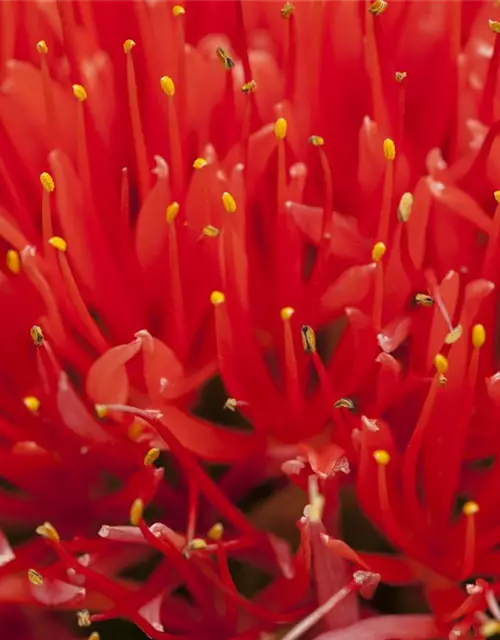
column 107, row 380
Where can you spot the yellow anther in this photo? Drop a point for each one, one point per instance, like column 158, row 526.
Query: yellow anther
column 286, row 313
column 35, row 578
column 230, row 404
column 280, row 128
column 58, row 243
column 441, row 363
column 47, row 181
column 316, row 141
column 216, row 532
column 168, row 86
column 36, row 334
column 172, row 212
column 79, row 92
column 405, row 206
column 13, row 261
column 32, row 403
column 382, row 457
column 494, row 25
column 225, row 58
column 177, row 10
column 287, row 10
column 399, row 76
column 41, row 46
column 443, row 380
column 470, row 508
column 423, row 300
column 389, row 149
column 135, row 430
column 377, row 7
column 453, row 335
column 197, row 544
column 249, row 87
column 478, row 336
column 136, row 511
column 83, row 618
column 491, row 627
column 199, row 163
column 344, row 403
column 151, row 456
column 378, row 251
column 229, row 202
column 209, row 231
column 101, row 410
column 94, row 636
column 128, row 45
column 47, row 530
column 308, row 338
column 497, row 196
column 217, row 298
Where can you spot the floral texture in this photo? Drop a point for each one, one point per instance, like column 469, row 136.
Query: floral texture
column 249, row 247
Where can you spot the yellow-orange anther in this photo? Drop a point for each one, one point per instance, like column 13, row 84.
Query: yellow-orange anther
column 490, row 628
column 172, row 212
column 128, row 45
column 453, row 335
column 378, row 251
column 177, row 10
column 209, row 231
column 382, row 457
column 199, row 163
column 58, row 243
column 225, row 58
column 344, row 403
column 35, row 578
column 47, row 181
column 41, row 46
column 83, row 618
column 94, row 636
column 308, row 338
column 287, row 10
column 197, row 544
column 167, row 86
column 36, row 334
column 497, row 196
column 441, row 363
column 216, row 532
column 478, row 336
column 136, row 511
column 47, row 530
column 286, row 313
column 424, row 300
column 494, row 25
column 377, row 7
column 470, row 508
column 249, row 87
column 79, row 92
column 399, row 76
column 101, row 410
column 280, row 128
column 316, row 141
column 151, row 456
column 405, row 206
column 229, row 202
column 32, row 403
column 217, row 298
column 389, row 149
column 13, row 261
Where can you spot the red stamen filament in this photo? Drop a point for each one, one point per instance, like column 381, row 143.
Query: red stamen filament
column 176, row 306
column 378, row 296
column 52, row 121
column 47, row 229
column 193, row 511
column 82, row 152
column 469, row 511
column 387, row 194
column 291, row 369
column 175, row 150
column 490, row 258
column 372, row 63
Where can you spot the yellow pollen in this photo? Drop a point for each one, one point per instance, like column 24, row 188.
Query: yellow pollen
column 199, row 163
column 382, row 457
column 177, row 11
column 128, row 45
column 58, row 243
column 280, row 128
column 94, row 636
column 136, row 511
column 249, row 87
column 399, row 76
column 36, row 334
column 151, row 456
column 441, row 363
column 168, row 86
column 286, row 313
column 470, row 508
column 287, row 10
column 344, row 403
column 79, row 92
column 453, row 335
column 225, row 58
column 41, row 46
column 172, row 211
column 389, row 149
column 497, row 196
column 494, row 25
column 47, row 530
column 378, row 251
column 197, row 544
column 424, row 300
column 32, row 403
column 316, row 141
column 35, row 578
column 405, row 206
column 229, row 202
column 217, row 298
column 13, row 261
column 478, row 336
column 308, row 338
column 491, row 627
column 209, row 231
column 216, row 532
column 47, row 181
column 83, row 618
column 101, row 410
column 377, row 7
column 230, row 404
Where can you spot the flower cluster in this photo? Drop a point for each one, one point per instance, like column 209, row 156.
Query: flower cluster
column 249, row 246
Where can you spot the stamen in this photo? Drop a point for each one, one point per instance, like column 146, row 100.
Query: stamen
column 178, row 10
column 387, row 193
column 35, row 578
column 209, row 231
column 48, row 185
column 168, row 88
column 377, row 7
column 36, row 334
column 225, row 58
column 41, row 46
column 151, row 456
column 308, row 338
column 52, row 122
column 101, row 411
column 492, row 627
column 470, row 509
column 217, row 298
column 372, row 63
column 478, row 340
column 326, row 227
column 280, row 128
column 494, row 25
column 172, row 212
column 287, row 10
column 228, row 202
column 32, row 403
column 199, row 163
column 83, row 618
column 378, row 252
column 197, row 544
column 399, row 76
column 79, row 92
column 491, row 256
column 454, row 333
column 316, row 500
column 13, row 261
column 216, row 532
column 405, row 206
column 344, row 403
column 249, row 87
column 291, row 368
column 94, row 636
column 136, row 512
column 48, row 531
column 478, row 336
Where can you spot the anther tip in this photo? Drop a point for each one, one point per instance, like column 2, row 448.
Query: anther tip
column 167, row 86
column 378, row 251
column 41, row 47
column 382, row 457
column 286, row 313
column 229, row 202
column 178, row 10
column 478, row 336
column 441, row 364
column 58, row 243
column 389, row 149
column 217, row 298
column 128, row 45
column 280, row 128
column 470, row 508
column 79, row 92
column 47, row 182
